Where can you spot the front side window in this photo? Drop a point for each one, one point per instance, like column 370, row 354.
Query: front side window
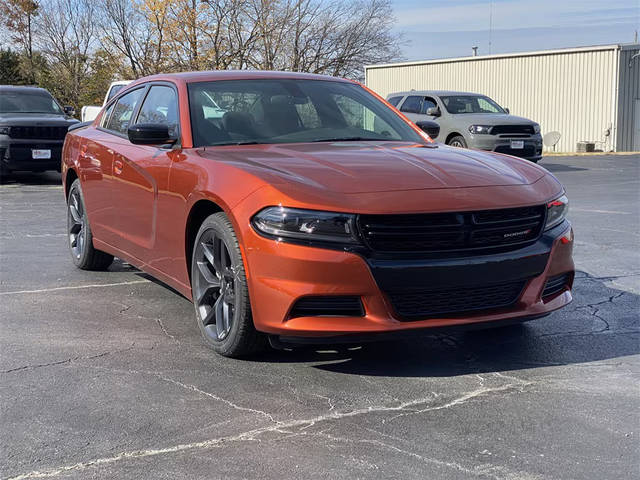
column 160, row 106
column 290, row 111
column 123, row 110
column 36, row 101
column 470, row 104
column 427, row 103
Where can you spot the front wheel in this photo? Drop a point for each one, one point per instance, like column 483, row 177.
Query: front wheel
column 458, row 141
column 84, row 255
column 219, row 290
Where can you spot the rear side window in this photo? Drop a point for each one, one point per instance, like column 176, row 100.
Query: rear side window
column 160, row 106
column 395, row 100
column 412, row 104
column 123, row 110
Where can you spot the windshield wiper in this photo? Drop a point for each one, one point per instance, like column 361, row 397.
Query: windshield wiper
column 226, row 144
column 354, row 139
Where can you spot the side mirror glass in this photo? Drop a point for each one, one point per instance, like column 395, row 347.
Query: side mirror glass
column 433, row 111
column 69, row 110
column 150, row 134
column 430, row 128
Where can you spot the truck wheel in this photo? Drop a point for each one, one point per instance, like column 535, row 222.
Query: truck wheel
column 458, row 141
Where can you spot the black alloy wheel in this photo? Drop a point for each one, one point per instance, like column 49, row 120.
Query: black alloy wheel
column 219, row 290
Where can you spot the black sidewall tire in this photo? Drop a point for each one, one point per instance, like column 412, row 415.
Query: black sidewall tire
column 459, row 138
column 90, row 258
column 242, row 339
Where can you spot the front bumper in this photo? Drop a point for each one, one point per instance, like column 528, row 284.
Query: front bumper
column 532, row 148
column 16, row 154
column 279, row 274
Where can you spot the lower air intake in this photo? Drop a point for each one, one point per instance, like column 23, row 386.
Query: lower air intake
column 556, row 285
column 328, row 306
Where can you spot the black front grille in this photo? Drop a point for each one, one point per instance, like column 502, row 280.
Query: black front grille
column 555, row 285
column 328, row 306
column 507, row 129
column 527, row 151
column 39, row 133
column 456, row 231
column 433, row 303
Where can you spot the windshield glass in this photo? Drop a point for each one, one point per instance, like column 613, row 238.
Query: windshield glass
column 115, row 89
column 290, row 111
column 470, row 104
column 28, row 102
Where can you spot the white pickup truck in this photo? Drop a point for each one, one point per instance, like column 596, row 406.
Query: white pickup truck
column 90, row 112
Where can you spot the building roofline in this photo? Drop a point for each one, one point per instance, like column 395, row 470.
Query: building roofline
column 558, row 51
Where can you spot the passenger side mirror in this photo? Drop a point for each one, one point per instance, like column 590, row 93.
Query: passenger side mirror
column 69, row 110
column 506, row 110
column 150, row 134
column 429, row 127
column 433, row 111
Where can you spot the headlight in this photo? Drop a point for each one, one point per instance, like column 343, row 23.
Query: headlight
column 557, row 211
column 4, row 130
column 480, row 129
column 536, row 128
column 306, row 225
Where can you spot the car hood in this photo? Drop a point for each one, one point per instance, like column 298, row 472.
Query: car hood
column 491, row 119
column 367, row 167
column 35, row 119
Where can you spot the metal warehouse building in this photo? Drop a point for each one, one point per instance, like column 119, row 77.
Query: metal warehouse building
column 586, row 94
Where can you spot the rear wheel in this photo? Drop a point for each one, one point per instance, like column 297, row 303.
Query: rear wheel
column 84, row 255
column 219, row 290
column 458, row 141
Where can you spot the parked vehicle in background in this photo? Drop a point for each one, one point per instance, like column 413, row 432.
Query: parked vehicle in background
column 310, row 212
column 32, row 129
column 471, row 120
column 89, row 112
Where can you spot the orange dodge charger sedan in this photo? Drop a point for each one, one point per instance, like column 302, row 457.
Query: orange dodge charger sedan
column 305, row 209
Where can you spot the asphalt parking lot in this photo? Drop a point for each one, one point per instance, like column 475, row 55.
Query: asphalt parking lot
column 103, row 375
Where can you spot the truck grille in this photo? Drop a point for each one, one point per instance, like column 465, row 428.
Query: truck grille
column 433, row 303
column 507, row 129
column 39, row 133
column 456, row 231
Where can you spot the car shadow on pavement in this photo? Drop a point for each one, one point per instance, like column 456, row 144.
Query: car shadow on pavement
column 555, row 167
column 31, row 178
column 601, row 324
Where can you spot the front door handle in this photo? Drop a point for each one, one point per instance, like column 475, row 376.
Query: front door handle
column 118, row 166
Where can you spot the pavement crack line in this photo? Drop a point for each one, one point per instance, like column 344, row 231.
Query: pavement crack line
column 74, row 287
column 68, row 360
column 253, row 435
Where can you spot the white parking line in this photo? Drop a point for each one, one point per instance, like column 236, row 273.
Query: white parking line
column 75, row 287
column 615, row 212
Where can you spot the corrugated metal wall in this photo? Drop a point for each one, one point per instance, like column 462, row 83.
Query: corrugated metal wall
column 571, row 91
column 628, row 93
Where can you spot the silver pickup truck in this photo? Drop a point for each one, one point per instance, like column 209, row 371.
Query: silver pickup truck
column 471, row 120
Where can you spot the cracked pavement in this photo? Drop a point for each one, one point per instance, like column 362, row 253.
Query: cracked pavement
column 103, row 375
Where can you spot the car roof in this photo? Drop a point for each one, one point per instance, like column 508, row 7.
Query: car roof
column 23, row 88
column 436, row 93
column 213, row 75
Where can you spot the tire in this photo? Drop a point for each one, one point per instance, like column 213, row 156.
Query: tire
column 83, row 254
column 220, row 293
column 457, row 141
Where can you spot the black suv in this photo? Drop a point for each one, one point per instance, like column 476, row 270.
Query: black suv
column 32, row 129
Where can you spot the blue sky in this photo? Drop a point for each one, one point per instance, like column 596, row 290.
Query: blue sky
column 449, row 28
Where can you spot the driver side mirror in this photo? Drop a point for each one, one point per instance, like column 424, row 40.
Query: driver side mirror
column 506, row 110
column 433, row 111
column 69, row 110
column 430, row 128
column 150, row 134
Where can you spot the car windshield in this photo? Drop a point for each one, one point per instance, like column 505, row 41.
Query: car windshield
column 470, row 104
column 28, row 102
column 290, row 111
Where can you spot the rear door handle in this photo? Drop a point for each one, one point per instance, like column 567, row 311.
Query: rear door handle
column 118, row 166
